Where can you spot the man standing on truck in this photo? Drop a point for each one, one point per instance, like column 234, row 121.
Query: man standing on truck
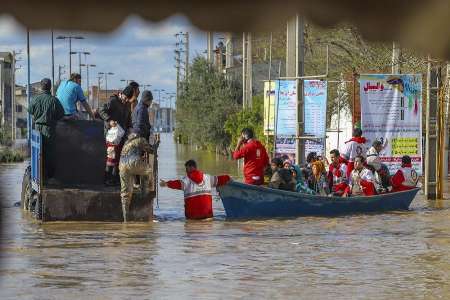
column 69, row 93
column 46, row 111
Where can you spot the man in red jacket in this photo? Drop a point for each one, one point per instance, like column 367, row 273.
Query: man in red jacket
column 406, row 178
column 352, row 148
column 337, row 174
column 197, row 188
column 255, row 157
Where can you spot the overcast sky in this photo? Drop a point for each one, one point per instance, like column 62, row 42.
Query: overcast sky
column 137, row 50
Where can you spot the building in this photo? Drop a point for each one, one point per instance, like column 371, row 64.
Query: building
column 98, row 97
column 7, row 70
column 21, row 112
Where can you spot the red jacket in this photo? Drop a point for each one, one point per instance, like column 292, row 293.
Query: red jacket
column 197, row 193
column 405, row 179
column 255, row 161
column 337, row 178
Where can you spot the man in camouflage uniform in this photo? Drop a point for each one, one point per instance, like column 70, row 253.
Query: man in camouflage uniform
column 135, row 159
column 46, row 111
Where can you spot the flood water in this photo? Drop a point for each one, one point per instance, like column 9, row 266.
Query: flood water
column 387, row 256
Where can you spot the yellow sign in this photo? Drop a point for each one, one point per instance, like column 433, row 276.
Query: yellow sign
column 405, row 146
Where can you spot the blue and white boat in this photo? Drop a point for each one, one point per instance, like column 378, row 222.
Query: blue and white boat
column 245, row 201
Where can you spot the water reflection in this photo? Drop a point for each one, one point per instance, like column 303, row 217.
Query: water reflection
column 388, row 256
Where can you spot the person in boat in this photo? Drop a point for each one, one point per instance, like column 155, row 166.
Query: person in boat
column 337, row 174
column 282, row 178
column 317, row 181
column 374, row 163
column 302, row 186
column 362, row 181
column 254, row 155
column 197, row 187
column 306, row 169
column 46, row 111
column 352, row 148
column 406, row 177
column 134, row 161
column 115, row 112
column 69, row 93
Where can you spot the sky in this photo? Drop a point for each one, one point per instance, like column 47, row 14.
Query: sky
column 138, row 50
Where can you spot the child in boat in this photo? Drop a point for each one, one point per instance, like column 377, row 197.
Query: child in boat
column 317, row 181
column 197, row 188
column 282, row 178
column 362, row 180
column 406, row 177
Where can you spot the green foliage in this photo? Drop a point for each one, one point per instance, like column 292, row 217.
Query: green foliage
column 5, row 136
column 8, row 155
column 204, row 105
column 253, row 119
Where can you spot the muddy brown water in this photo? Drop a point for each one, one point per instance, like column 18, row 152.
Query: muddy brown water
column 402, row 255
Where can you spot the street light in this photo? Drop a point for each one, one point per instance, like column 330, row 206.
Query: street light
column 70, row 37
column 87, row 78
column 79, row 57
column 127, row 81
column 106, row 81
column 159, row 95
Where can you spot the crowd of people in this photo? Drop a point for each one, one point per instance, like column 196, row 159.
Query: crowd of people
column 127, row 128
column 356, row 171
column 353, row 172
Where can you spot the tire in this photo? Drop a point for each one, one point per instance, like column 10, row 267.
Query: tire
column 27, row 191
column 38, row 209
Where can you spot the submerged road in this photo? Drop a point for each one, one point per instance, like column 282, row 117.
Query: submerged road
column 387, row 256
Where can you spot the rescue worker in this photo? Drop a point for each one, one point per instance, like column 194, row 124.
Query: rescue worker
column 406, row 177
column 337, row 174
column 380, row 170
column 362, row 180
column 134, row 160
column 255, row 157
column 46, row 111
column 282, row 178
column 197, row 188
column 114, row 112
column 352, row 148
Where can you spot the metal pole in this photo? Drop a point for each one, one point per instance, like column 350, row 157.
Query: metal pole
column 28, row 89
column 244, row 72
column 249, row 84
column 70, row 56
column 79, row 62
column 53, row 65
column 87, row 83
column 187, row 56
column 98, row 92
column 106, row 86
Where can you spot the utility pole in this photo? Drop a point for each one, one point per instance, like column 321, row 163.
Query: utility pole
column 396, row 58
column 98, row 91
column 177, row 66
column 186, row 66
column 432, row 118
column 53, row 64
column 228, row 50
column 295, row 68
column 247, row 67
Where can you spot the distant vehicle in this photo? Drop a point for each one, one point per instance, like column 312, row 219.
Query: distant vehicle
column 77, row 191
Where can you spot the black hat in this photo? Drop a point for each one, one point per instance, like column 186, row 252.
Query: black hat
column 146, row 96
column 46, row 84
column 128, row 91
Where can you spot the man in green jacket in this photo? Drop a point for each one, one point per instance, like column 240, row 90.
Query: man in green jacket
column 46, row 111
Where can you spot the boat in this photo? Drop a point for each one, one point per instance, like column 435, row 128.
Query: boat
column 243, row 201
